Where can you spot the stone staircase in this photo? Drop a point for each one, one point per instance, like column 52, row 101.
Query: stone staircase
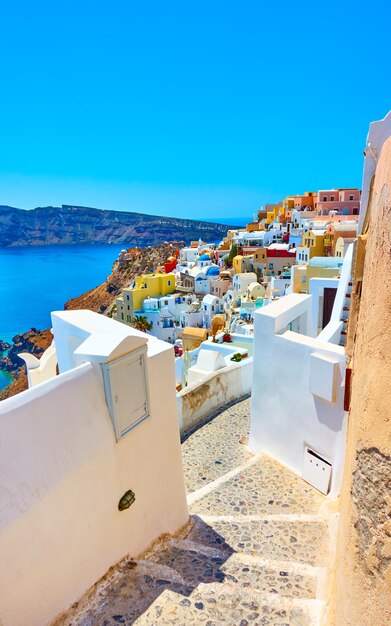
column 257, row 550
column 345, row 315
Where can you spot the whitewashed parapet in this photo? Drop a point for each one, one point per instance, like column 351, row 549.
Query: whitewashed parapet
column 64, row 473
column 292, row 411
column 198, row 400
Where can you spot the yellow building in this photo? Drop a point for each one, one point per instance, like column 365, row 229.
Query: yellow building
column 242, row 263
column 318, row 267
column 342, row 245
column 274, row 213
column 192, row 338
column 260, row 255
column 315, row 241
column 252, row 226
column 288, row 203
column 146, row 286
column 237, row 263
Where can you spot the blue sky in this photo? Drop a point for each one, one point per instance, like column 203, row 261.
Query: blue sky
column 190, row 108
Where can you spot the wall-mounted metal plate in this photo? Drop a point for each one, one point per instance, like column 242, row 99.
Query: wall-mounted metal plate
column 126, row 391
column 317, row 471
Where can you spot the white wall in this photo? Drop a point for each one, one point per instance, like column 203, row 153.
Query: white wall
column 200, row 399
column 279, row 285
column 316, row 289
column 285, row 415
column 63, row 474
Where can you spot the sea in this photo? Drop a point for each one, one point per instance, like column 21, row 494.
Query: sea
column 35, row 280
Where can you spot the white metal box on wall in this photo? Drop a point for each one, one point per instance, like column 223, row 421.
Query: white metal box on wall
column 126, row 391
column 317, row 470
column 323, row 376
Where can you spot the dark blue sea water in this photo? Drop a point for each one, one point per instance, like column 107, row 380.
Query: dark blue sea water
column 37, row 280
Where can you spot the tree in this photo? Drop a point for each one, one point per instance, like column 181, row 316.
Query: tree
column 232, row 253
column 141, row 323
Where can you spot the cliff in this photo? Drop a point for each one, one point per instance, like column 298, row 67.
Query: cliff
column 33, row 341
column 99, row 299
column 77, row 225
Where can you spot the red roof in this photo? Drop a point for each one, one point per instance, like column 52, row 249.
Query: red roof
column 281, row 253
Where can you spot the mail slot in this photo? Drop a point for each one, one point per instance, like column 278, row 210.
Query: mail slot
column 317, row 471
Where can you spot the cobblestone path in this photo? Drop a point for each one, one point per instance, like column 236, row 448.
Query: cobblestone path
column 256, row 552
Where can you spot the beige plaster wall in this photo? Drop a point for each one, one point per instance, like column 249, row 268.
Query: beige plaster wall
column 363, row 568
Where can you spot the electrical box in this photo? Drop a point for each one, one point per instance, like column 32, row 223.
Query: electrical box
column 126, row 391
column 317, row 471
column 323, row 376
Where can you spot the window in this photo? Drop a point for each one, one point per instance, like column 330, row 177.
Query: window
column 127, row 297
column 303, row 279
column 128, row 307
column 169, row 283
column 270, row 266
column 122, row 316
column 332, row 198
column 351, row 197
column 213, row 307
column 128, row 318
column 324, row 198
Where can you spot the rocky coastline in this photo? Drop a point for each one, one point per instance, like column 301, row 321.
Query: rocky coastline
column 99, row 299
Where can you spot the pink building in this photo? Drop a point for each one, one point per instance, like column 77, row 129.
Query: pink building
column 343, row 201
column 220, row 287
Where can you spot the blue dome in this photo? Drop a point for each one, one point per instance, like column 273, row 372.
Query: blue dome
column 213, row 270
column 204, row 257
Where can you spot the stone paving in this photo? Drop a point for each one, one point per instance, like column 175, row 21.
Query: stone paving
column 255, row 551
column 215, row 449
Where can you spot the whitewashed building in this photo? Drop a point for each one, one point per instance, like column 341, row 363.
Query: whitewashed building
column 211, row 306
column 240, row 282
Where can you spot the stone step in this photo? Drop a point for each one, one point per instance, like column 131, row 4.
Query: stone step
column 147, row 592
column 223, row 605
column 261, row 486
column 207, row 454
column 199, row 566
column 123, row 594
column 301, row 539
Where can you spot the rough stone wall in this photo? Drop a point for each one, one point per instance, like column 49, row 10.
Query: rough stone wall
column 363, row 567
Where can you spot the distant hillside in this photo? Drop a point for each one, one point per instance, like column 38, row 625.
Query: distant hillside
column 77, row 225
